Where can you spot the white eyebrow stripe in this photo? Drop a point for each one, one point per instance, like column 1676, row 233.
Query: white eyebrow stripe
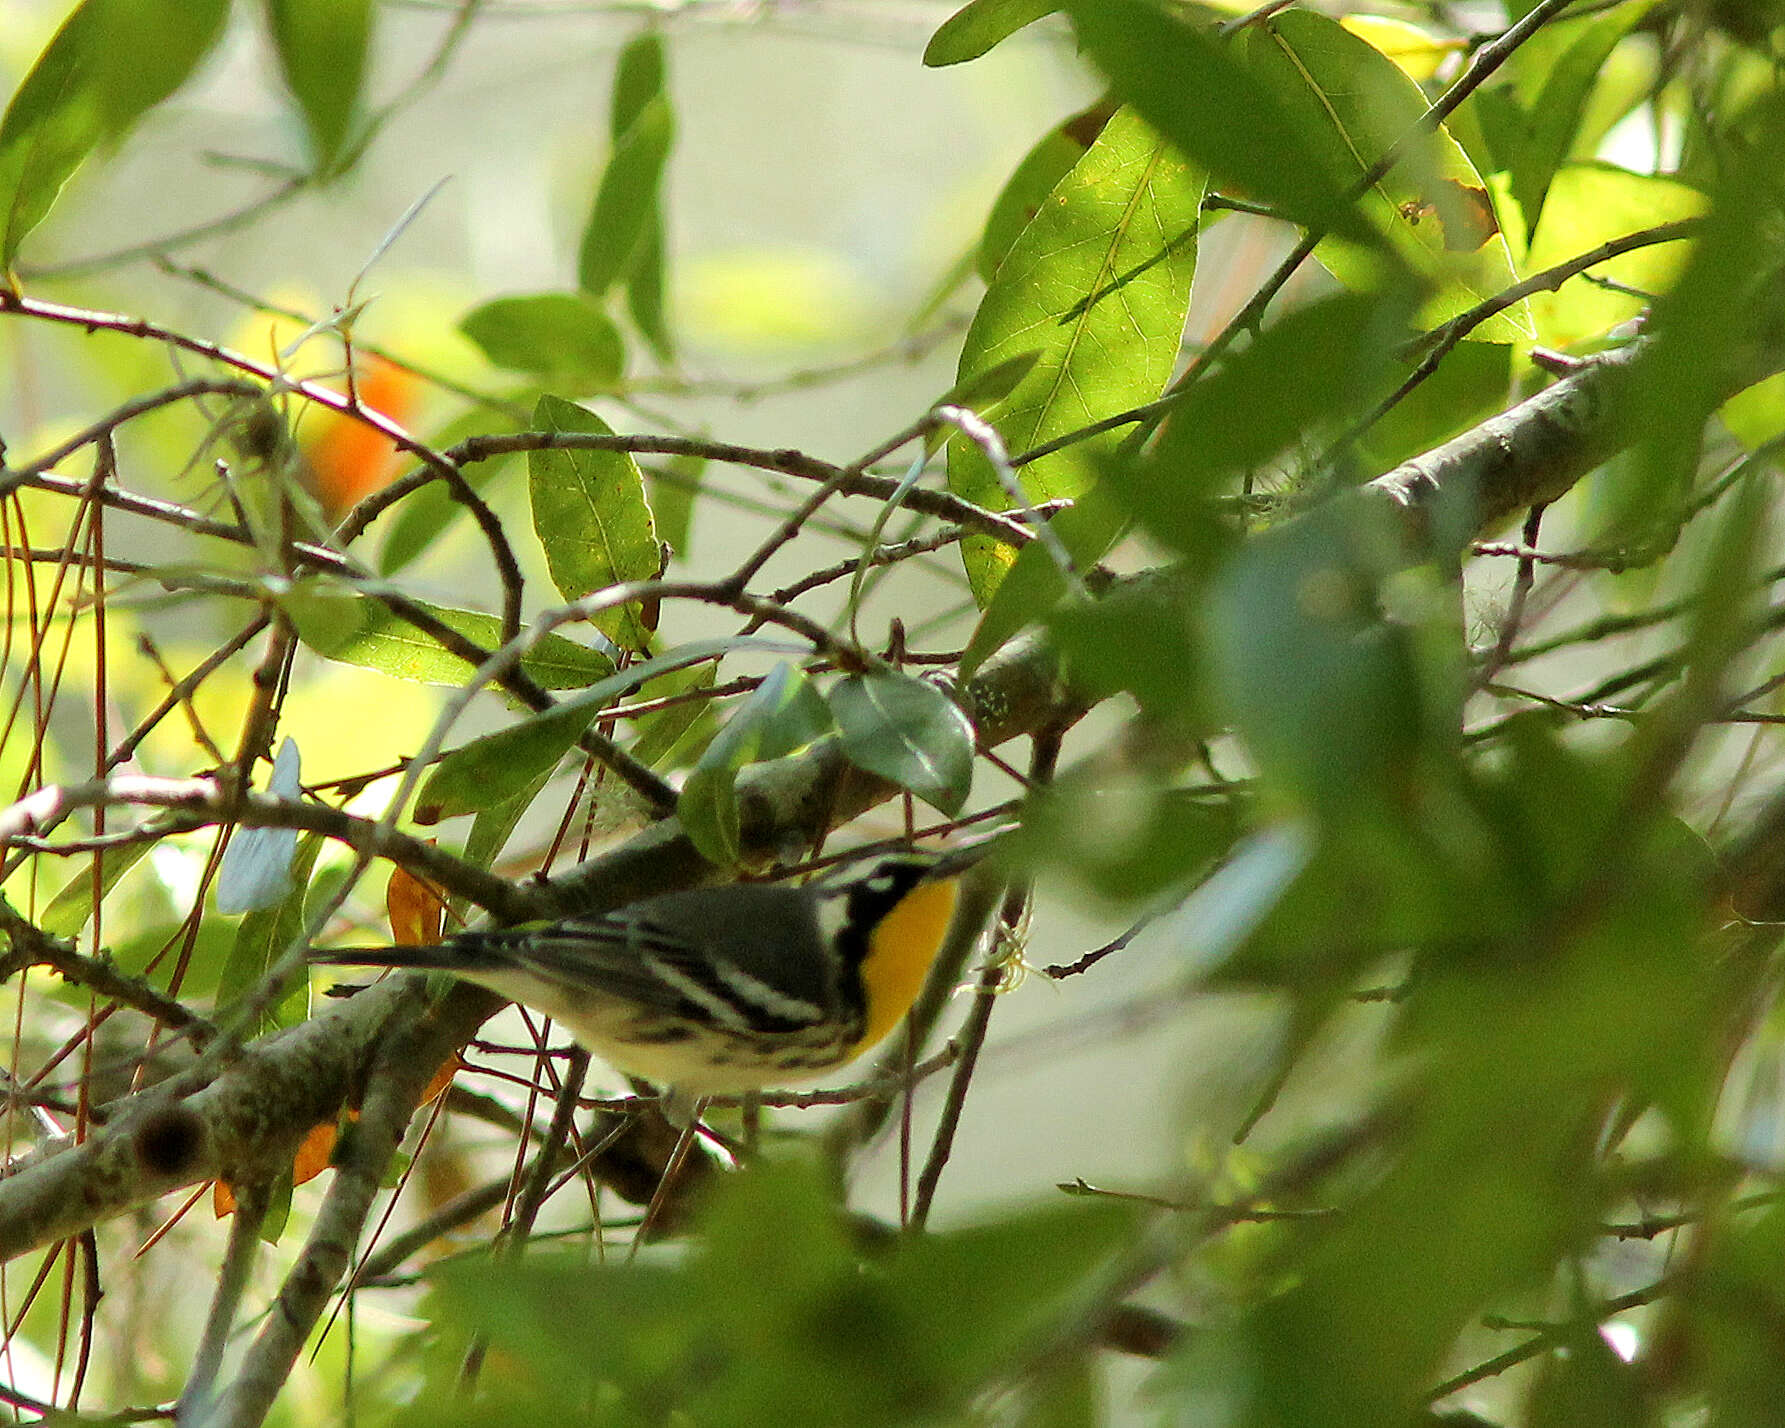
column 776, row 1003
column 722, row 1011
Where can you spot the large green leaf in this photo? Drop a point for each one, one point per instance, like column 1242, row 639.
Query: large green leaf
column 909, row 732
column 564, row 339
column 1356, row 105
column 358, row 629
column 592, row 518
column 1097, row 286
column 1033, row 180
column 110, row 62
column 322, row 47
column 1195, row 90
column 1533, row 126
column 624, row 213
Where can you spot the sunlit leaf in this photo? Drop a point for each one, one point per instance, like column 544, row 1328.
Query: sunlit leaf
column 979, row 25
column 1097, row 286
column 1356, row 106
column 1586, row 205
column 592, row 518
column 110, row 62
column 1196, row 91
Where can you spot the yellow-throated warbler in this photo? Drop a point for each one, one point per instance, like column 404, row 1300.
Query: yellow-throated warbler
column 718, row 990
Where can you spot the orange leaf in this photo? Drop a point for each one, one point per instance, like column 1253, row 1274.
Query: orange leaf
column 417, row 909
column 442, row 1078
column 312, row 1158
column 313, row 1153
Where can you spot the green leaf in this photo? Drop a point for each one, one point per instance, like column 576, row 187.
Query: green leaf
column 638, row 79
column 494, row 822
column 673, row 736
column 111, row 61
column 1546, row 130
column 1035, row 583
column 908, row 732
column 499, row 765
column 592, row 518
column 322, row 47
column 1195, row 91
column 564, row 339
column 71, row 908
column 148, row 49
column 1290, row 385
column 979, row 25
column 625, row 210
column 1469, row 385
column 784, row 715
column 1324, row 688
column 644, row 292
column 1586, row 205
column 673, row 487
column 262, row 940
column 361, row 630
column 794, row 1327
column 1356, row 104
column 1097, row 287
column 1138, row 638
column 1727, row 302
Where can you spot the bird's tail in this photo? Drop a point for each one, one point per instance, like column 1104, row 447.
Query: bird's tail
column 442, row 955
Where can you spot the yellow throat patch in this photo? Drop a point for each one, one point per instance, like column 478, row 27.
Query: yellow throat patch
column 900, row 953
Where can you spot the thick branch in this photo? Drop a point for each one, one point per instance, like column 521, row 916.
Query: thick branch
column 1528, row 456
